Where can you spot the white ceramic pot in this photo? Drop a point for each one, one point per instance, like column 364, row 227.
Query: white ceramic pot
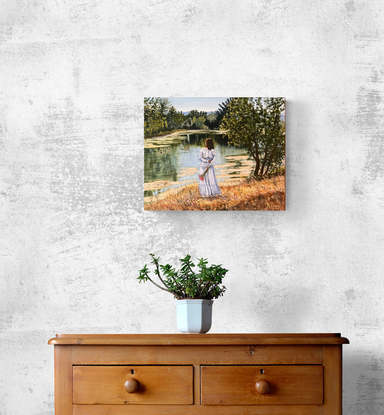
column 194, row 316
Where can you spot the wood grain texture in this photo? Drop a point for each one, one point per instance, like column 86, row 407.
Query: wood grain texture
column 189, row 378
column 333, row 381
column 197, row 355
column 235, row 385
column 194, row 410
column 196, row 384
column 63, row 380
column 199, row 339
column 172, row 385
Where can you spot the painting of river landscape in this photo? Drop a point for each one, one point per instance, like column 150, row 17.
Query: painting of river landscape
column 216, row 153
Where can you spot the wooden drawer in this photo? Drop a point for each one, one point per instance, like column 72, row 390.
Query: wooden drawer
column 198, row 374
column 283, row 385
column 172, row 385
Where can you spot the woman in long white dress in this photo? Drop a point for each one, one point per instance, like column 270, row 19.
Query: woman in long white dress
column 208, row 186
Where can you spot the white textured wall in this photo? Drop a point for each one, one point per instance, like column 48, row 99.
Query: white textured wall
column 72, row 228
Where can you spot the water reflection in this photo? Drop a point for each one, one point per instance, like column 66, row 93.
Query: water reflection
column 160, row 163
column 173, row 163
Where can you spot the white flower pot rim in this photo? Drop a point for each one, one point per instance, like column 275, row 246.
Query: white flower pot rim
column 194, row 300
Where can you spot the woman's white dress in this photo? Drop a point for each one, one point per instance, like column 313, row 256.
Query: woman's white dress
column 208, row 187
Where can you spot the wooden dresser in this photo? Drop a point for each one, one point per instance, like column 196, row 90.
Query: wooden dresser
column 198, row 374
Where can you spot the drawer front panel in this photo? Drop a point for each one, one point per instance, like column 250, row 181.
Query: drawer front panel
column 262, row 385
column 172, row 385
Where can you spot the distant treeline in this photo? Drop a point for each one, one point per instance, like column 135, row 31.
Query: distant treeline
column 160, row 117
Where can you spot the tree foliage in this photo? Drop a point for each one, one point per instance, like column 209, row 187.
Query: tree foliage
column 211, row 121
column 160, row 117
column 195, row 120
column 193, row 281
column 156, row 115
column 222, row 111
column 258, row 125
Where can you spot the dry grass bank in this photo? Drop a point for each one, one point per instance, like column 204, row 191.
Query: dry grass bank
column 267, row 194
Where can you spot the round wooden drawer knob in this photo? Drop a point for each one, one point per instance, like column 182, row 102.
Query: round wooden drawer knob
column 131, row 385
column 263, row 387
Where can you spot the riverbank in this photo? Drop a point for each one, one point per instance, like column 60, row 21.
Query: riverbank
column 177, row 136
column 235, row 169
column 172, row 133
column 266, row 194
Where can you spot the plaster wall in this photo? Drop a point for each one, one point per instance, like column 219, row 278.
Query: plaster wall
column 73, row 232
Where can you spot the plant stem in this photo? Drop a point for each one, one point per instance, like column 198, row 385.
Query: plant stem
column 159, row 286
column 159, row 275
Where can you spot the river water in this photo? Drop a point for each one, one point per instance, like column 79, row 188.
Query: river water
column 172, row 161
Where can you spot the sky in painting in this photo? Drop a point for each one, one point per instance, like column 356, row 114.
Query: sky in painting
column 200, row 104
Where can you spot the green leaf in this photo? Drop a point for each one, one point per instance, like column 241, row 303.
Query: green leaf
column 185, row 282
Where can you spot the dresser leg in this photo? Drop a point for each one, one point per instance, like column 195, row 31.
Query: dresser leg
column 63, row 380
column 332, row 361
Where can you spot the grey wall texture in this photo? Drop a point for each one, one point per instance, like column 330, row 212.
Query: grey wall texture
column 72, row 227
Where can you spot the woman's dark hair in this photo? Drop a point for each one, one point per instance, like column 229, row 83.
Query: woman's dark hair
column 209, row 144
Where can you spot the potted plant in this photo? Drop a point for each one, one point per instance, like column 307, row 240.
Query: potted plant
column 194, row 287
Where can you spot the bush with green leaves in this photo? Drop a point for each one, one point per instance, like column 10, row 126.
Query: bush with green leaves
column 190, row 281
column 258, row 124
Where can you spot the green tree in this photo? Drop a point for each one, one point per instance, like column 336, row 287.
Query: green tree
column 155, row 115
column 211, row 122
column 175, row 119
column 221, row 111
column 196, row 120
column 163, row 107
column 258, row 125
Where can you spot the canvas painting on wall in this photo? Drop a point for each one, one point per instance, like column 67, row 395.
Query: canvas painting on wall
column 222, row 153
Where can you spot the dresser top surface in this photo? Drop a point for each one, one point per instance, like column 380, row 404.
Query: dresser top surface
column 199, row 339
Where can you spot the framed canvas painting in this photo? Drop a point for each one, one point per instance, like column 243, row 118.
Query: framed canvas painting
column 222, row 153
